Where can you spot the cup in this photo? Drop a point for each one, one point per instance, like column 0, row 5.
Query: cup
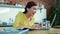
column 40, row 25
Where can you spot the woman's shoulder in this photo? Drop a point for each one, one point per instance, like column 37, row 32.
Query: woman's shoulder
column 19, row 13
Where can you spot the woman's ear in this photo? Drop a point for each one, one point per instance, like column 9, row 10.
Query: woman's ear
column 27, row 9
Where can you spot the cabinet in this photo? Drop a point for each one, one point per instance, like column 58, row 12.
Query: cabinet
column 8, row 13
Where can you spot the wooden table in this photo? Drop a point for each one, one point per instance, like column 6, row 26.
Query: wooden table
column 51, row 31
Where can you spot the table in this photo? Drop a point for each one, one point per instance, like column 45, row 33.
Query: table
column 50, row 31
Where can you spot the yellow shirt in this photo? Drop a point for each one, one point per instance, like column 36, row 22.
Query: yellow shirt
column 21, row 20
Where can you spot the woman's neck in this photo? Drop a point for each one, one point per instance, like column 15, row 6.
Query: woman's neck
column 28, row 15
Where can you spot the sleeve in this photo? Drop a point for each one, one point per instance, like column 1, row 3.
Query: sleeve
column 17, row 21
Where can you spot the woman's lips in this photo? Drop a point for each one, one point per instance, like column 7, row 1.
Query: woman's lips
column 33, row 13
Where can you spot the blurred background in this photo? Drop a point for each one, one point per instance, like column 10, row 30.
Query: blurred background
column 47, row 14
column 46, row 11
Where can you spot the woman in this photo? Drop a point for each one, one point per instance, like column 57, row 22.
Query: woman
column 25, row 19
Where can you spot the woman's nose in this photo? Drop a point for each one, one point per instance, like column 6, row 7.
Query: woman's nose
column 34, row 11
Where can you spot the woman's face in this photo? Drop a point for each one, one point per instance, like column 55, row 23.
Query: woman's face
column 32, row 10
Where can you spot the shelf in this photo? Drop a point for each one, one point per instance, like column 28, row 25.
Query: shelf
column 10, row 6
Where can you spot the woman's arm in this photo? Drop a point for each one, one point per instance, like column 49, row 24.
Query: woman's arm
column 35, row 26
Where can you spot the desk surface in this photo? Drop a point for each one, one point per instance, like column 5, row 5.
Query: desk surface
column 51, row 31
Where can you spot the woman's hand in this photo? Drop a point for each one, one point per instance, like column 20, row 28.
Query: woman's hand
column 35, row 26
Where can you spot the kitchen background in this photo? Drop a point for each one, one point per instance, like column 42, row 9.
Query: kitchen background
column 47, row 13
column 7, row 14
column 9, row 9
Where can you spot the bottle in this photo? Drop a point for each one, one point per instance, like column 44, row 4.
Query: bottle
column 0, row 22
column 10, row 21
column 48, row 24
column 44, row 22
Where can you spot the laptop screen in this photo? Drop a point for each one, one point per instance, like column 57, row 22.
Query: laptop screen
column 55, row 20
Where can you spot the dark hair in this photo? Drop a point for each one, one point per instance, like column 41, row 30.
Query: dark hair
column 29, row 5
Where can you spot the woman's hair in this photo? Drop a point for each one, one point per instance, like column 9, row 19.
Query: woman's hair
column 29, row 5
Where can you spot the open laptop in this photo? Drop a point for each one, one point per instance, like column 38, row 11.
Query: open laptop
column 56, row 23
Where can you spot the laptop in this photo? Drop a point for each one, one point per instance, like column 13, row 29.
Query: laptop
column 57, row 25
